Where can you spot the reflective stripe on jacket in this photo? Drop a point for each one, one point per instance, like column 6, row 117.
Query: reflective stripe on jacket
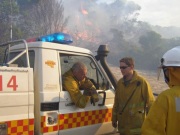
column 132, row 117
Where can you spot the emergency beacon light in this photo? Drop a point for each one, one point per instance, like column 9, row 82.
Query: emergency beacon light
column 61, row 38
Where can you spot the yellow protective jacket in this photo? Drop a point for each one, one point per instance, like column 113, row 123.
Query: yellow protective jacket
column 164, row 115
column 131, row 119
column 72, row 85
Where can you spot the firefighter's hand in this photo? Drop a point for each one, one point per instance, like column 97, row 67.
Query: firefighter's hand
column 87, row 84
column 92, row 101
column 114, row 124
column 87, row 92
column 93, row 94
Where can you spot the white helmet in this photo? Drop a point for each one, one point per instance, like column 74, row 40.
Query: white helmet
column 171, row 58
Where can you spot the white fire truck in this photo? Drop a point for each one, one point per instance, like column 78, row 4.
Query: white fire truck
column 32, row 100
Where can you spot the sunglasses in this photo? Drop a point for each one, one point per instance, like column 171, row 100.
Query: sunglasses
column 123, row 67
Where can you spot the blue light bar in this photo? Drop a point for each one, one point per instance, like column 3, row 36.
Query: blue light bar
column 57, row 38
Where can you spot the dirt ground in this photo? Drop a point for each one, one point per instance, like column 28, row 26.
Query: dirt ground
column 157, row 85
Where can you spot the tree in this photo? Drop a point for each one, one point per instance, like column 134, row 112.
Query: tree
column 151, row 44
column 26, row 4
column 8, row 17
column 47, row 16
column 150, row 40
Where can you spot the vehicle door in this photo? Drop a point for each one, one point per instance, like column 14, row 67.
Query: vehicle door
column 93, row 119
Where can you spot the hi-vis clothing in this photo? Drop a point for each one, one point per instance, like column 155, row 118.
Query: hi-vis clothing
column 130, row 120
column 72, row 85
column 164, row 115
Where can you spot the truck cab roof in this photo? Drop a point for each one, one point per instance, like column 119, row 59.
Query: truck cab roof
column 53, row 46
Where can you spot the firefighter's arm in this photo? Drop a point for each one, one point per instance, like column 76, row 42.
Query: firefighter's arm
column 90, row 90
column 76, row 96
column 147, row 95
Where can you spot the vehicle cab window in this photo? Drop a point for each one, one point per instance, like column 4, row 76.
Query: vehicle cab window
column 93, row 72
column 21, row 61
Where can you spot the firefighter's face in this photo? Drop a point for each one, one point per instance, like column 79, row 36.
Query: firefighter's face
column 80, row 74
column 166, row 74
column 125, row 69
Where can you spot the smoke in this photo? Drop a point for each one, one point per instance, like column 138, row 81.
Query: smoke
column 95, row 22
column 111, row 22
column 98, row 16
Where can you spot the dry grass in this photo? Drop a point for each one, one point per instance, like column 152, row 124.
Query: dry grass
column 157, row 85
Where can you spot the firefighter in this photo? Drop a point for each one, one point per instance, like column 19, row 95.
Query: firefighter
column 133, row 99
column 74, row 80
column 164, row 115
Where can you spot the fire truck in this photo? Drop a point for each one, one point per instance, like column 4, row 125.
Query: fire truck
column 32, row 99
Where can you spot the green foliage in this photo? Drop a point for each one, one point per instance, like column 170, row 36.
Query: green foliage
column 150, row 54
column 8, row 9
column 47, row 16
column 8, row 16
column 26, row 4
column 147, row 54
column 150, row 40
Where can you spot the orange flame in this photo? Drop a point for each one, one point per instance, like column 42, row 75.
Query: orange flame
column 84, row 11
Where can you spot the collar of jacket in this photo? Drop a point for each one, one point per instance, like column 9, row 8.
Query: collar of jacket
column 134, row 78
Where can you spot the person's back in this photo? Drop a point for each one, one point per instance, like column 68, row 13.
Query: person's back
column 164, row 115
column 171, row 102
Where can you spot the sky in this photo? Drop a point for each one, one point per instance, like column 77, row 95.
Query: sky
column 164, row 13
column 159, row 12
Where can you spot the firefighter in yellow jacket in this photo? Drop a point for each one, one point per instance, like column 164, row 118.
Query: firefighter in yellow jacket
column 164, row 115
column 133, row 99
column 74, row 80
